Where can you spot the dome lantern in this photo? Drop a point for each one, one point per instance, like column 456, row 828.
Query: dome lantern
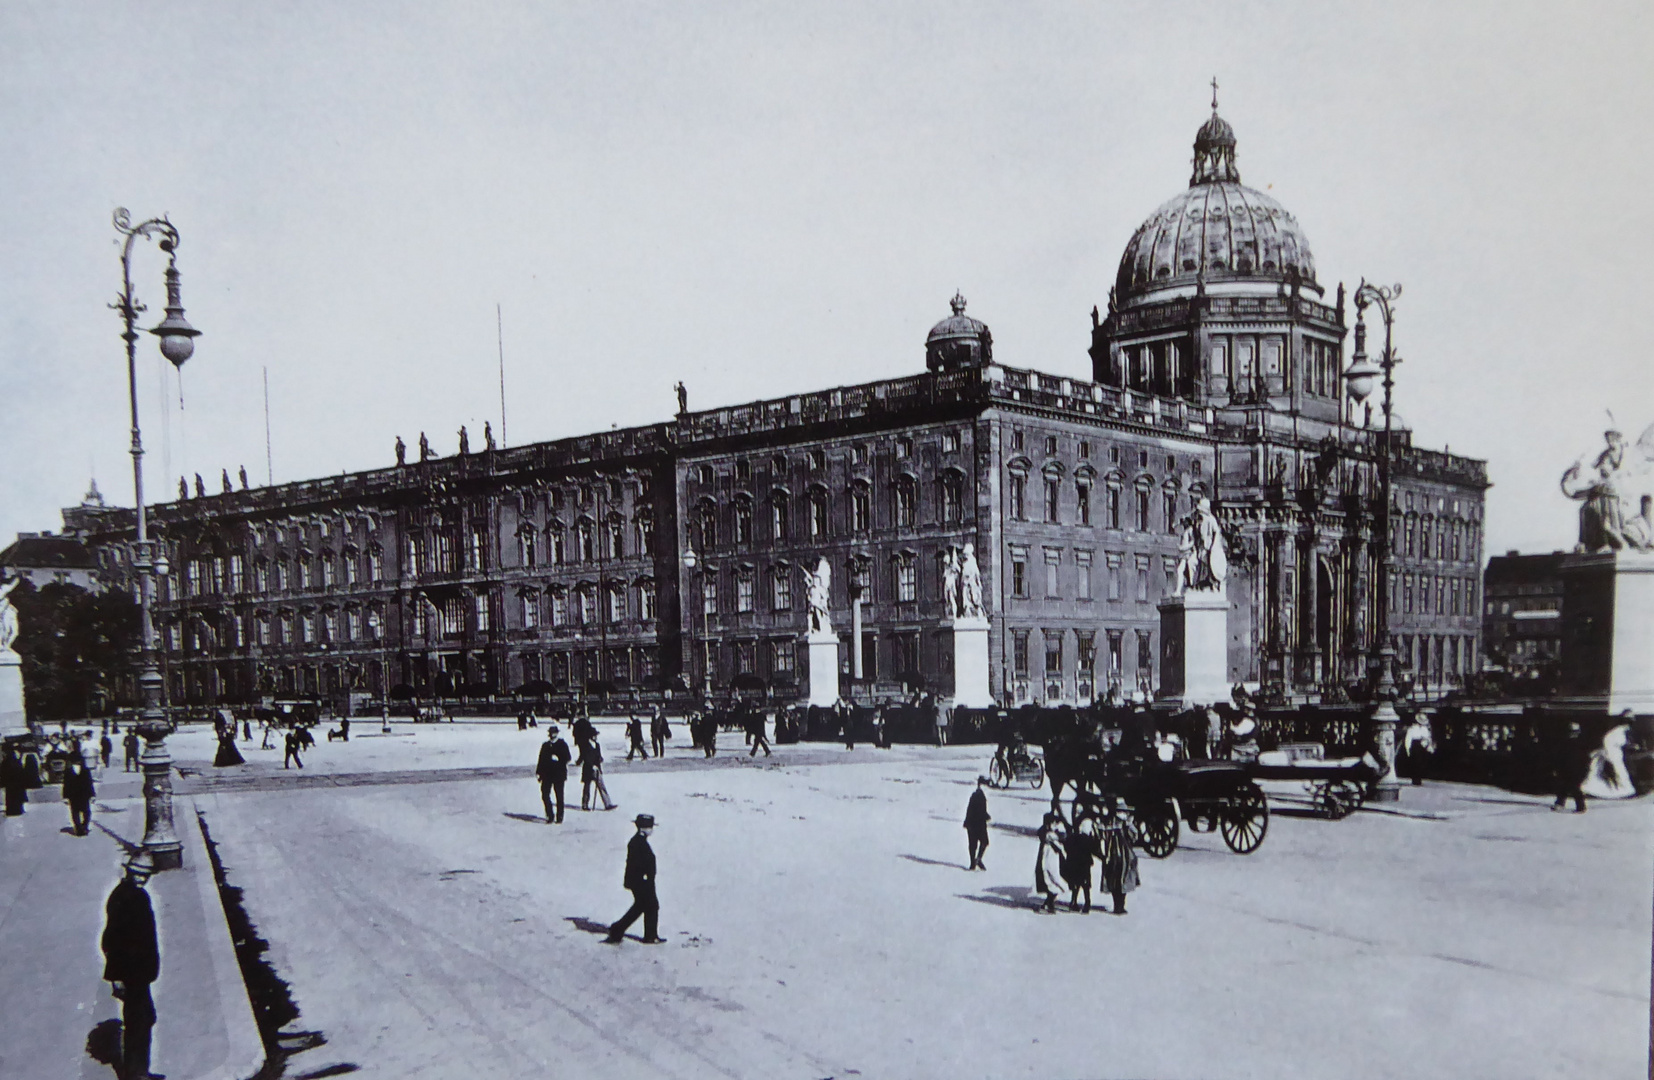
column 958, row 341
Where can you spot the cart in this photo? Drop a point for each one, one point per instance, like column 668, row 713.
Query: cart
column 1338, row 787
column 1017, row 766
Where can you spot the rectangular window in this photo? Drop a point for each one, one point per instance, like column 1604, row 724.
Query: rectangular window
column 236, row 566
column 1019, row 576
column 904, row 449
column 1170, row 523
column 1053, row 572
column 782, row 657
column 781, row 589
column 1082, row 492
column 1019, row 653
column 743, row 591
column 480, row 605
column 1083, row 560
column 950, row 442
column 617, row 603
column 559, row 608
column 1113, row 506
column 1116, row 649
column 907, row 579
column 1142, row 579
column 1145, row 653
column 1052, row 490
column 1087, row 651
column 1142, row 509
column 531, row 610
column 709, row 593
column 647, row 605
column 1115, row 591
column 1018, row 498
column 1085, row 449
column 1016, row 439
column 1050, row 446
column 1053, row 652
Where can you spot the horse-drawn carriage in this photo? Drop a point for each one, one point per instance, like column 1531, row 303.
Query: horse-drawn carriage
column 1098, row 762
column 1337, row 788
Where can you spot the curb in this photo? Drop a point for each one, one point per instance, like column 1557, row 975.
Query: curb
column 246, row 1054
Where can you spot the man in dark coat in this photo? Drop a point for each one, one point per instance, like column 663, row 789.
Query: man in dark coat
column 105, row 748
column 755, row 731
column 77, row 794
column 634, row 737
column 659, row 732
column 130, row 745
column 15, row 781
column 1572, row 770
column 640, row 881
column 291, row 745
column 132, row 961
column 976, row 824
column 553, row 771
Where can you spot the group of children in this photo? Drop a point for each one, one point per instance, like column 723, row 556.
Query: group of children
column 1101, row 834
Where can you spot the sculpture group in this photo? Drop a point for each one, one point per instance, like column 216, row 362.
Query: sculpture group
column 962, row 583
column 1202, row 564
column 1616, row 493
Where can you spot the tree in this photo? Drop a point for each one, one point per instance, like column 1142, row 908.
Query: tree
column 75, row 647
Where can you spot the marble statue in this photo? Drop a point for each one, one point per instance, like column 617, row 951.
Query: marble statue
column 487, row 435
column 950, row 582
column 401, row 451
column 243, row 471
column 8, row 616
column 424, row 447
column 1615, row 493
column 224, row 477
column 1202, row 564
column 970, row 585
column 464, row 441
column 820, row 598
column 683, row 399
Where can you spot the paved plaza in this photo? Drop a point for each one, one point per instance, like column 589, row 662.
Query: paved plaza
column 820, row 923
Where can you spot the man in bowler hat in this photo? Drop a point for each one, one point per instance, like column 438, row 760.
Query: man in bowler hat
column 640, row 881
column 553, row 771
column 132, row 960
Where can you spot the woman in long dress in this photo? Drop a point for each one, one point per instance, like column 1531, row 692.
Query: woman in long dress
column 1607, row 777
column 1119, row 857
column 1048, row 864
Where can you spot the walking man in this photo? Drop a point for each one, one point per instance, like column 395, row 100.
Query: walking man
column 105, row 748
column 77, row 793
column 634, row 736
column 132, row 961
column 591, row 772
column 130, row 745
column 292, row 746
column 553, row 771
column 1572, row 770
column 755, row 728
column 976, row 824
column 640, row 882
column 658, row 731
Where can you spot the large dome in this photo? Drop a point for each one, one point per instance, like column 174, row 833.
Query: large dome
column 1216, row 231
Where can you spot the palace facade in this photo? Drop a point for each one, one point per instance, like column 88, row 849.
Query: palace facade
column 666, row 556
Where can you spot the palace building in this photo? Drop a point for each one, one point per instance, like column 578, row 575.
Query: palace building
column 677, row 554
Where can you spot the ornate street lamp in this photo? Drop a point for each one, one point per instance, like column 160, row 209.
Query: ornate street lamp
column 690, row 561
column 1358, row 378
column 149, row 559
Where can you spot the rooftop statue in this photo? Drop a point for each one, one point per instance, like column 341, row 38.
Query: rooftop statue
column 970, row 585
column 1616, row 493
column 8, row 616
column 1202, row 564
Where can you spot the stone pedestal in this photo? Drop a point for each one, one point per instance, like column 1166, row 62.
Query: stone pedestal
column 1608, row 631
column 823, row 653
column 1194, row 649
column 970, row 664
column 12, row 719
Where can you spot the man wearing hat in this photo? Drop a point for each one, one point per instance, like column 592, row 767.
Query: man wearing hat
column 553, row 771
column 132, row 960
column 640, row 880
column 976, row 824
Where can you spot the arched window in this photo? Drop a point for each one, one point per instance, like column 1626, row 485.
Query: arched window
column 615, row 537
column 1114, row 504
column 861, row 508
column 1168, row 499
column 905, row 577
column 707, row 520
column 1143, row 507
column 1082, row 500
column 559, row 543
column 906, row 502
column 781, row 505
column 528, row 547
column 585, row 532
column 953, row 497
column 818, row 512
column 530, row 600
column 559, row 598
column 743, row 519
column 1019, row 497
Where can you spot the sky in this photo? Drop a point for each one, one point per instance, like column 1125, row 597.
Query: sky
column 762, row 199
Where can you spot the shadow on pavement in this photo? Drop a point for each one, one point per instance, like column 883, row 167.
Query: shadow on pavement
column 126, row 845
column 932, row 862
column 1015, row 897
column 532, row 819
column 103, row 1044
column 590, row 926
column 332, row 1070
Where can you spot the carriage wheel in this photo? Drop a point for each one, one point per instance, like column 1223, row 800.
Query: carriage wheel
column 997, row 776
column 1037, row 780
column 1245, row 820
column 1157, row 828
column 1338, row 799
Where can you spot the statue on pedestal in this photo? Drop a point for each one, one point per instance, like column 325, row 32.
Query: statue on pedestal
column 8, row 616
column 970, row 585
column 820, row 598
column 1202, row 565
column 1617, row 503
column 950, row 582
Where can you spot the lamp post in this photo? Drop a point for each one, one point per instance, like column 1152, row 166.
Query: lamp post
column 177, row 345
column 690, row 561
column 1359, row 379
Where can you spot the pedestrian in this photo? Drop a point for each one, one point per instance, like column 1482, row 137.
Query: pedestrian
column 591, row 773
column 640, row 882
column 553, row 771
column 246, row 730
column 522, row 721
column 1048, row 863
column 849, row 715
column 132, row 961
column 976, row 824
column 130, row 745
column 344, row 727
column 709, row 733
column 1572, row 770
column 77, row 793
column 1079, row 851
column 1117, row 838
column 14, row 779
column 291, row 745
column 659, row 732
column 302, row 735
column 878, row 729
column 755, row 729
column 227, row 752
column 1417, row 744
column 634, row 737
column 105, row 748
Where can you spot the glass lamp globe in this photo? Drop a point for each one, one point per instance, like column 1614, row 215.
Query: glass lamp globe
column 1359, row 378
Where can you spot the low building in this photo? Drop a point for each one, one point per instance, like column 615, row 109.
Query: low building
column 1522, row 614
